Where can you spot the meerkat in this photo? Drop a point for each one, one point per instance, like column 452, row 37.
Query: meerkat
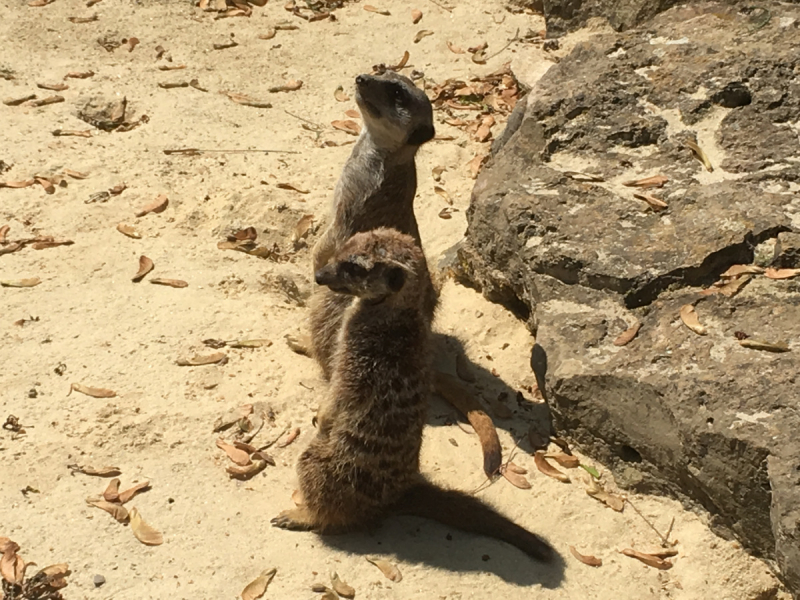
column 363, row 463
column 376, row 189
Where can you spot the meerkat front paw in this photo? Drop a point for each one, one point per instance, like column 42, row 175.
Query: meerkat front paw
column 296, row 519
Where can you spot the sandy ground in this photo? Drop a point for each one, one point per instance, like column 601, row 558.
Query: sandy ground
column 108, row 332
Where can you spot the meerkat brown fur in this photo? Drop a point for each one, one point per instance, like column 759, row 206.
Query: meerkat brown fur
column 376, row 189
column 364, row 461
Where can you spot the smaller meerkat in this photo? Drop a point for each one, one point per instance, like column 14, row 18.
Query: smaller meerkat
column 363, row 463
column 376, row 189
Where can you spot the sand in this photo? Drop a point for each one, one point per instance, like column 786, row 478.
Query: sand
column 94, row 326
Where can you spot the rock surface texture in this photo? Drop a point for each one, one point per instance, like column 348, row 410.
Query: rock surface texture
column 698, row 416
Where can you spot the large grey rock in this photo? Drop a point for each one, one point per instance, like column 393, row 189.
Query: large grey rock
column 700, row 417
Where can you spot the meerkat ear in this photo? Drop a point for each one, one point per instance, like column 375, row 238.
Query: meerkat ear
column 421, row 134
column 396, row 279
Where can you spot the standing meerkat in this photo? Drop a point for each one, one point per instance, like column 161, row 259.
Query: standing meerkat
column 363, row 463
column 376, row 189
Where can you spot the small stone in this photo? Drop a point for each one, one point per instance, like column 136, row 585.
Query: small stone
column 98, row 580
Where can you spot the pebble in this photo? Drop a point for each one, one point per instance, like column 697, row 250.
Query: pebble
column 98, row 580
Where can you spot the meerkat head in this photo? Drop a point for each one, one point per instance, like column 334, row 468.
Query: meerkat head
column 373, row 265
column 396, row 113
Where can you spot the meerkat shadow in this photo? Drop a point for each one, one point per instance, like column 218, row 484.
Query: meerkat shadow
column 423, row 542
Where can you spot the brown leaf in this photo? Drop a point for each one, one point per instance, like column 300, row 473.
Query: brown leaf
column 176, row 283
column 18, row 101
column 648, row 182
column 289, row 86
column 129, row 230
column 568, row 461
column 443, row 193
column 436, row 173
column 402, row 62
column 370, row 8
column 586, row 559
column 79, row 74
column 240, row 457
column 75, row 174
column 447, row 212
column 258, row 587
column 302, row 228
column 21, row 283
column 290, row 437
column 271, row 33
column 40, row 2
column 516, row 479
column 46, row 184
column 72, row 132
column 416, row 16
column 246, row 100
column 4, row 543
column 48, row 100
column 97, row 472
column 144, row 532
column 764, row 345
column 132, row 43
column 198, row 360
column 4, row 233
column 92, row 391
column 347, row 126
column 171, row 85
column 421, row 35
column 17, row 184
column 119, row 512
column 729, row 289
column 648, row 559
column 171, row 67
column 55, row 575
column 548, row 469
column 128, row 494
column 340, row 95
column 781, row 273
column 89, row 19
column 341, row 588
column 55, row 87
column 454, row 49
column 294, row 188
column 613, row 501
column 111, row 494
column 476, row 163
column 353, row 114
column 691, row 320
column 390, row 570
column 259, row 343
column 145, row 266
column 8, row 563
column 699, row 155
column 655, row 203
column 737, row 270
column 43, row 245
column 627, row 336
column 158, row 205
column 247, row 471
column 479, row 57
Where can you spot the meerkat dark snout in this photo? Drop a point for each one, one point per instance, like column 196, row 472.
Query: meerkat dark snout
column 395, row 109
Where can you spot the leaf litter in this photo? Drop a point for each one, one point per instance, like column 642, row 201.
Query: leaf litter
column 44, row 585
column 547, row 468
column 390, row 570
column 258, row 587
column 586, row 558
column 144, row 532
column 145, row 266
column 691, row 320
column 92, row 391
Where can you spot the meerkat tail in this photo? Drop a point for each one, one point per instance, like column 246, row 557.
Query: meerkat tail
column 467, row 513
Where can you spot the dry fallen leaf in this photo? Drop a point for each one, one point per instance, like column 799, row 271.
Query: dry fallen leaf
column 447, row 212
column 54, row 575
column 97, row 472
column 271, row 33
column 128, row 494
column 347, row 126
column 699, row 155
column 289, row 86
column 119, row 512
column 17, row 184
column 454, row 49
column 75, row 174
column 158, row 205
column 145, row 266
column 21, row 283
column 240, row 457
column 111, row 493
column 44, row 244
column 247, row 471
column 648, row 559
column 341, row 588
column 198, row 360
column 46, row 184
column 92, row 391
column 302, row 228
column 48, row 100
column 627, row 336
column 4, row 233
column 144, row 532
column 416, row 16
column 340, row 95
column 737, row 270
column 568, row 461
column 691, row 320
column 781, row 273
column 353, row 114
column 176, row 283
column 443, row 193
column 18, row 101
column 613, row 501
column 655, row 203
column 390, row 570
column 258, row 343
column 764, row 345
column 514, row 478
column 370, row 8
column 548, row 469
column 72, row 132
column 729, row 289
column 294, row 188
column 290, row 437
column 476, row 163
column 8, row 563
column 246, row 100
column 54, row 87
column 586, row 559
column 648, row 182
column 256, row 588
column 421, row 35
column 79, row 74
column 129, row 230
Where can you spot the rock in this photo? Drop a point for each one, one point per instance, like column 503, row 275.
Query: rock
column 103, row 113
column 98, row 580
column 702, row 418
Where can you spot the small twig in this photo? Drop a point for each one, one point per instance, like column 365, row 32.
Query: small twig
column 195, row 151
column 664, row 540
column 317, row 125
column 516, row 38
column 669, row 530
column 442, row 6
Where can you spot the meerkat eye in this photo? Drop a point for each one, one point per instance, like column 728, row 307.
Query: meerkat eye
column 400, row 95
column 353, row 270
